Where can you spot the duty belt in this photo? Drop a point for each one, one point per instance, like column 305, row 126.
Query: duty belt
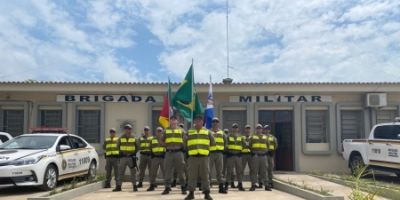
column 259, row 154
column 146, row 153
column 174, row 150
column 217, row 151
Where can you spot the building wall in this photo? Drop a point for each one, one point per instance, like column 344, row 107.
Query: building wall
column 307, row 157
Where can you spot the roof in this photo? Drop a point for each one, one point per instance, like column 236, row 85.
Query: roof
column 201, row 83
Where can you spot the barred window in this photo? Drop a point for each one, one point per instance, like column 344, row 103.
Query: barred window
column 234, row 116
column 89, row 125
column 12, row 121
column 51, row 118
column 317, row 126
column 351, row 124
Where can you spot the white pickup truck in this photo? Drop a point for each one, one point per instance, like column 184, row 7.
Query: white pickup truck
column 379, row 152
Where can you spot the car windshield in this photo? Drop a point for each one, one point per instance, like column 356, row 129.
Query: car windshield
column 30, row 142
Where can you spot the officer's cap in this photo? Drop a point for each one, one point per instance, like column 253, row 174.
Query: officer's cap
column 247, row 126
column 267, row 127
column 159, row 129
column 215, row 119
column 235, row 125
column 259, row 126
column 146, row 128
column 128, row 126
column 112, row 130
column 181, row 125
column 226, row 130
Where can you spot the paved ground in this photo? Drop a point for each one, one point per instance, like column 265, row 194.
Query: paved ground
column 106, row 194
column 14, row 193
column 316, row 183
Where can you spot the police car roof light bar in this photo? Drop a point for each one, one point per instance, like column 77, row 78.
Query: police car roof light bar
column 48, row 130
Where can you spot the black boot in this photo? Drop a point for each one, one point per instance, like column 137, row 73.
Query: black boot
column 267, row 188
column 135, row 188
column 260, row 185
column 190, row 196
column 240, row 187
column 140, row 185
column 166, row 191
column 271, row 185
column 183, row 189
column 226, row 186
column 107, row 185
column 253, row 187
column 233, row 185
column 207, row 195
column 222, row 189
column 117, row 189
column 173, row 184
column 151, row 188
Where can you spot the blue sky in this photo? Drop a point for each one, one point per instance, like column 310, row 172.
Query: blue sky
column 142, row 40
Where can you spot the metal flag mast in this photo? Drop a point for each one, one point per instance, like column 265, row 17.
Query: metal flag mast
column 227, row 80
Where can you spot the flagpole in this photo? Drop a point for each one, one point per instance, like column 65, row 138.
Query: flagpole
column 169, row 102
column 193, row 98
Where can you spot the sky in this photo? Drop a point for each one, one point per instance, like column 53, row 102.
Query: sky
column 149, row 41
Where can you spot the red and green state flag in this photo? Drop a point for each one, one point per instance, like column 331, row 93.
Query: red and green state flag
column 186, row 100
column 166, row 111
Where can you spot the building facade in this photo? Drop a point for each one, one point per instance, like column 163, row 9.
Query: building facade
column 309, row 119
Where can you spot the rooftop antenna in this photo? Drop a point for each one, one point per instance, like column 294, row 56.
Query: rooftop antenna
column 227, row 80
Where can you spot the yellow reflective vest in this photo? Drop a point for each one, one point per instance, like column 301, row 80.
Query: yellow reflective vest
column 198, row 142
column 271, row 143
column 258, row 144
column 127, row 145
column 235, row 145
column 145, row 144
column 173, row 138
column 156, row 148
column 219, row 141
column 111, row 146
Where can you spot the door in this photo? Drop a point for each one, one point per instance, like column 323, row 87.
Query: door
column 67, row 161
column 82, row 154
column 377, row 148
column 281, row 122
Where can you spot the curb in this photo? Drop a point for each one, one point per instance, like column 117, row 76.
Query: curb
column 291, row 189
column 382, row 191
column 70, row 194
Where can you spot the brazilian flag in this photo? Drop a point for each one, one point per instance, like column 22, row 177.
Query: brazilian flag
column 186, row 100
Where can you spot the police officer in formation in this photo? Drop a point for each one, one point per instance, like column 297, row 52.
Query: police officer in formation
column 246, row 154
column 234, row 149
column 145, row 154
column 198, row 144
column 216, row 154
column 272, row 146
column 128, row 147
column 174, row 157
column 259, row 148
column 157, row 158
column 111, row 155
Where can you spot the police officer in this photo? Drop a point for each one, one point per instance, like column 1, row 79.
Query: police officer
column 174, row 157
column 259, row 148
column 128, row 146
column 246, row 156
column 157, row 158
column 145, row 154
column 111, row 154
column 272, row 146
column 224, row 166
column 233, row 157
column 198, row 144
column 216, row 153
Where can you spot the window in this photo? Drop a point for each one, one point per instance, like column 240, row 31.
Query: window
column 12, row 122
column 89, row 125
column 3, row 138
column 351, row 124
column 77, row 143
column 383, row 116
column 51, row 118
column 234, row 116
column 388, row 132
column 155, row 115
column 64, row 141
column 317, row 126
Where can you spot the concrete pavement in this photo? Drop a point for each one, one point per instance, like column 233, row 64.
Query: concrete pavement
column 142, row 194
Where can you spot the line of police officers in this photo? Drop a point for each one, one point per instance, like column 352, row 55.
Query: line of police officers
column 190, row 156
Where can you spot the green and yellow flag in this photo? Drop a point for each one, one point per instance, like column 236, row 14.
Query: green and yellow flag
column 186, row 100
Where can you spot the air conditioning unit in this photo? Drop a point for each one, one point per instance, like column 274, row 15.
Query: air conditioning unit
column 376, row 100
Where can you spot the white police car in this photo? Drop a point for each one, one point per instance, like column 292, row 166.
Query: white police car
column 42, row 159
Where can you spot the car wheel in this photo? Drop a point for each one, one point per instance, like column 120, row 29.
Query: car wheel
column 356, row 165
column 50, row 178
column 92, row 170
